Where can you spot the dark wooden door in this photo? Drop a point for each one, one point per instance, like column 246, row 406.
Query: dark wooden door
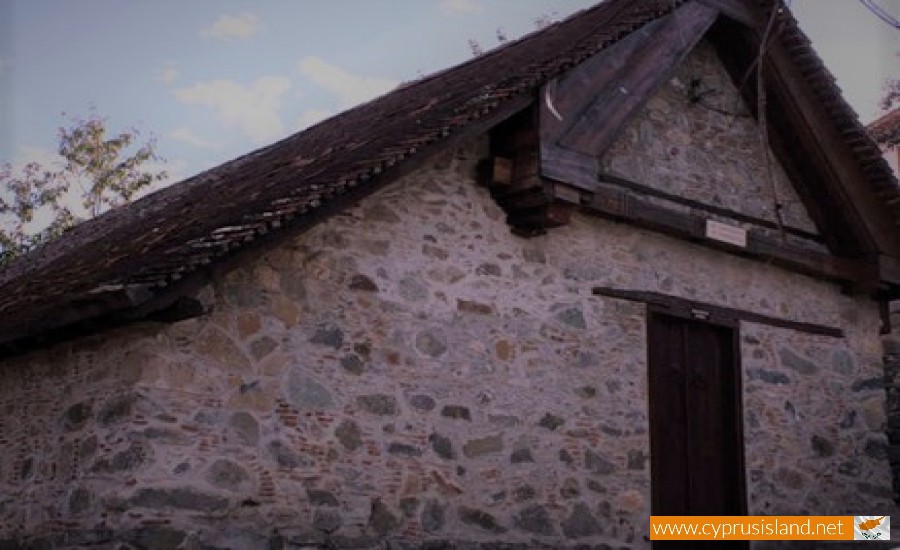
column 695, row 437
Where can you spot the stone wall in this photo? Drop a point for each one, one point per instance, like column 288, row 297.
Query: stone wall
column 891, row 343
column 409, row 371
column 814, row 425
column 708, row 151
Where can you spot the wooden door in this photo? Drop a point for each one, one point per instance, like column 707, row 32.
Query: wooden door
column 695, row 418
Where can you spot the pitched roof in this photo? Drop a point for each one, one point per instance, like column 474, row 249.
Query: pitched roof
column 886, row 130
column 126, row 263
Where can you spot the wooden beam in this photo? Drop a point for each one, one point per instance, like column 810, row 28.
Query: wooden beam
column 843, row 175
column 619, row 98
column 703, row 311
column 527, row 199
column 574, row 168
column 646, row 190
column 527, row 164
column 804, row 173
column 563, row 99
column 581, row 113
column 794, row 146
column 738, row 10
column 495, row 172
column 622, row 205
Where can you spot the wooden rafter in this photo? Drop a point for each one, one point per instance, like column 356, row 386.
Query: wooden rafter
column 582, row 112
column 602, row 95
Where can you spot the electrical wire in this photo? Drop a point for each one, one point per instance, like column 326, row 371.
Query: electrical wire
column 767, row 34
column 881, row 13
column 762, row 122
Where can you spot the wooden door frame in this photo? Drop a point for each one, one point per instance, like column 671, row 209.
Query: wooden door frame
column 686, row 310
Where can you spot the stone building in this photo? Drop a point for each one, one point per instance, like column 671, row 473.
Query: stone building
column 525, row 302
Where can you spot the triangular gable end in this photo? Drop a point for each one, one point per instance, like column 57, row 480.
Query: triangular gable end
column 695, row 144
column 599, row 142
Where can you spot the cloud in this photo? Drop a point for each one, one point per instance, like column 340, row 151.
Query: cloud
column 4, row 65
column 228, row 27
column 460, row 6
column 255, row 108
column 312, row 116
column 167, row 74
column 186, row 135
column 351, row 89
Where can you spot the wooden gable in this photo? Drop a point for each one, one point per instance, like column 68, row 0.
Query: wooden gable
column 806, row 206
column 696, row 144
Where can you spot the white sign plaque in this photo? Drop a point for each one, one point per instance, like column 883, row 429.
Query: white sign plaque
column 726, row 233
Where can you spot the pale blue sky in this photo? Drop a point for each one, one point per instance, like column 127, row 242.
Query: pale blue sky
column 214, row 79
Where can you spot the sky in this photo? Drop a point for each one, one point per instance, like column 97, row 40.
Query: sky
column 210, row 80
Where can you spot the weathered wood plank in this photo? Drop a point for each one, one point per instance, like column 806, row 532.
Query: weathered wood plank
column 822, row 140
column 642, row 189
column 739, row 10
column 565, row 193
column 846, row 270
column 527, row 183
column 563, row 99
column 609, row 202
column 495, row 172
column 738, row 47
column 661, row 218
column 571, row 167
column 704, row 311
column 621, row 205
column 619, row 98
column 527, row 164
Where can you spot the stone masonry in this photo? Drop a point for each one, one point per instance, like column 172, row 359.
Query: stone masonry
column 891, row 343
column 411, row 372
column 708, row 151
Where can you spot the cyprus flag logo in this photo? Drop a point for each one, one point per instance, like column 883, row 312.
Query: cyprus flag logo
column 871, row 527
